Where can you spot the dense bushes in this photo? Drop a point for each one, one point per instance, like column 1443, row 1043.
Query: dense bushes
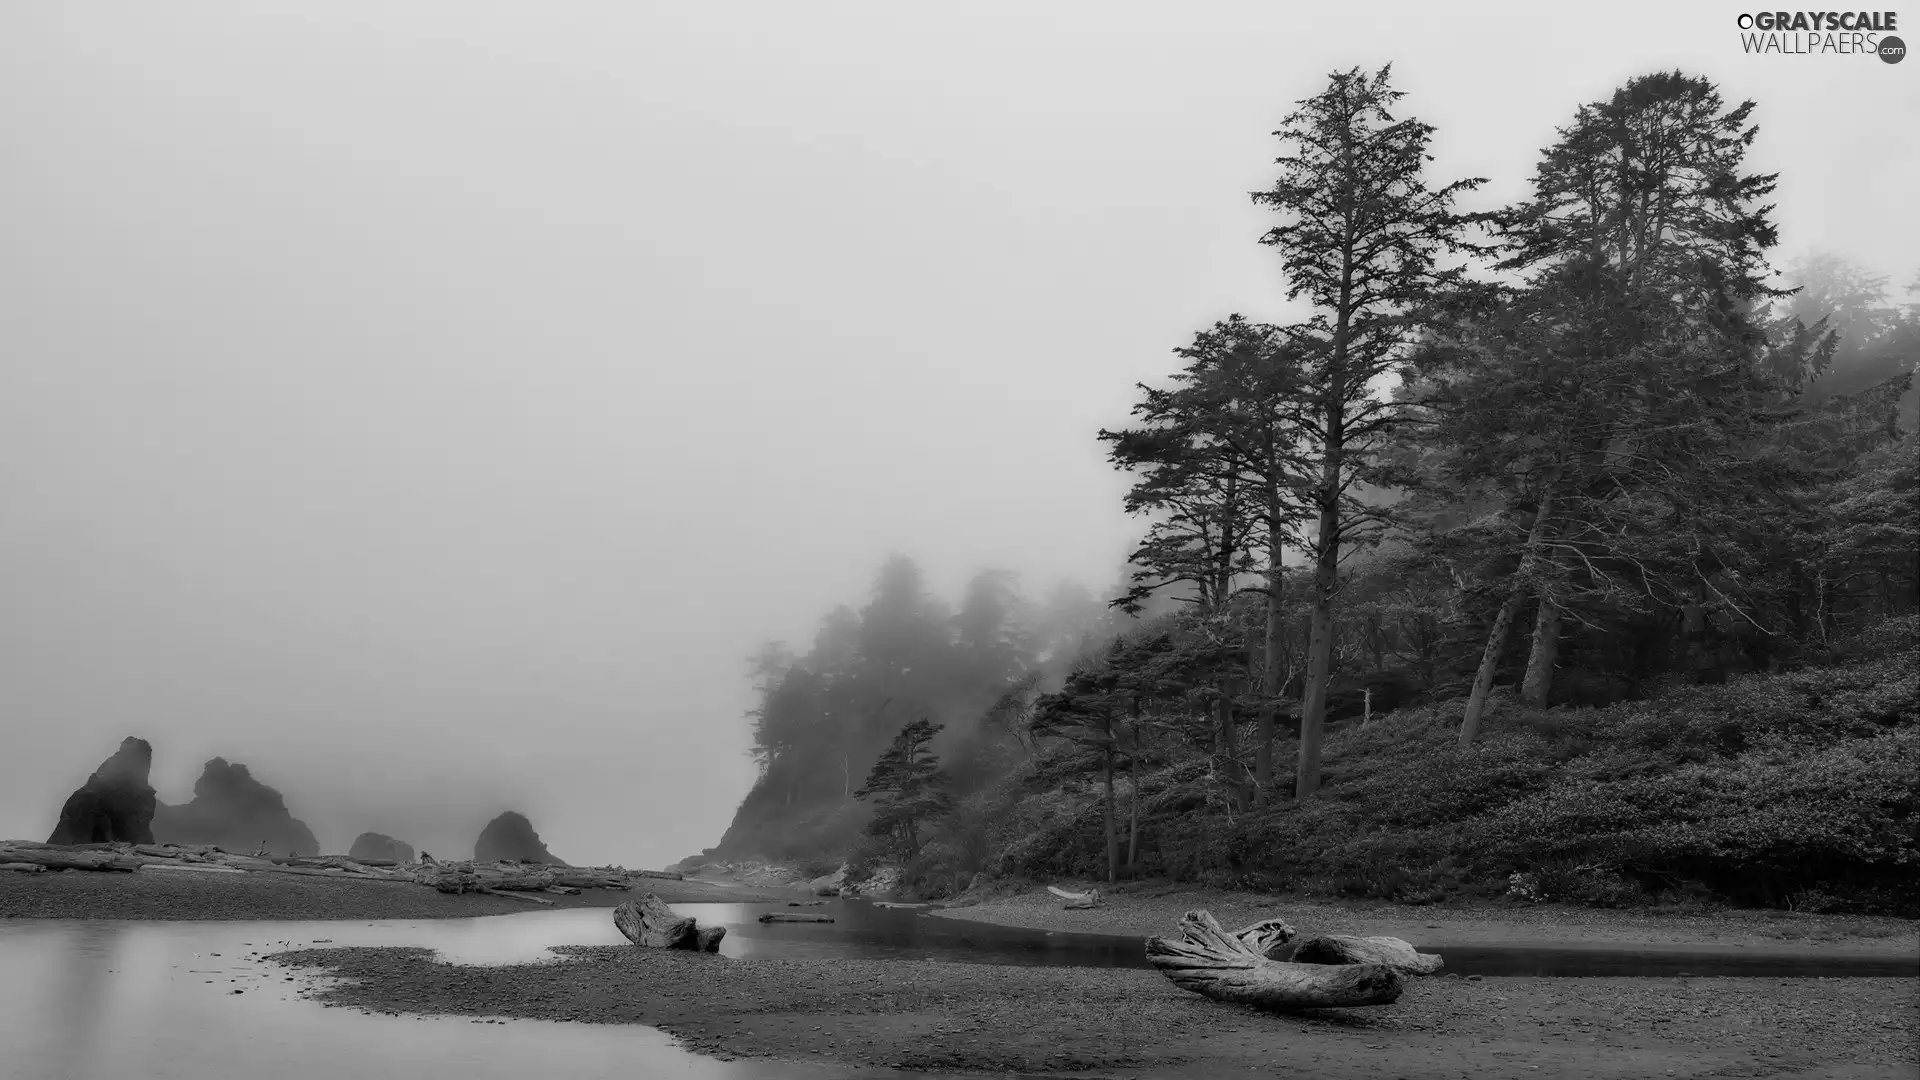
column 1797, row 790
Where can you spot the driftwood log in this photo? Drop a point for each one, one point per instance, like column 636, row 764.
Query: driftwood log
column 23, row 867
column 1389, row 951
column 794, row 916
column 1076, row 901
column 1214, row 963
column 64, row 858
column 650, row 923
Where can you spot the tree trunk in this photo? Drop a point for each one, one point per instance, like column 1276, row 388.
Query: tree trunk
column 1213, row 963
column 1538, row 682
column 1133, row 795
column 1113, row 837
column 1489, row 662
column 1326, row 570
column 1270, row 683
column 1503, row 624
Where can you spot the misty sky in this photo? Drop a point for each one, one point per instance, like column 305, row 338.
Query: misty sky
column 431, row 405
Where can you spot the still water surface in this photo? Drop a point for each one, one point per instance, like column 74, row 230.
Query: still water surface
column 101, row 1000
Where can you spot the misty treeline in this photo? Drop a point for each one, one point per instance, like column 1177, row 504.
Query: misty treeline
column 1582, row 447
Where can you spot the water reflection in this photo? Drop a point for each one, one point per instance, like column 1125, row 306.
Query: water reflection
column 84, row 1000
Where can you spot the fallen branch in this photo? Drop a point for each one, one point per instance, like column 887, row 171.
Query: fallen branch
column 511, row 895
column 1389, row 951
column 794, row 916
column 1076, row 901
column 1209, row 961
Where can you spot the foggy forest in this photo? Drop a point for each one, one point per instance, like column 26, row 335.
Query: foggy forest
column 1466, row 577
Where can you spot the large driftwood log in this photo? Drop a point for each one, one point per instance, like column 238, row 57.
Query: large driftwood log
column 1214, row 963
column 60, row 858
column 23, row 867
column 1390, row 951
column 794, row 916
column 650, row 923
column 1076, row 901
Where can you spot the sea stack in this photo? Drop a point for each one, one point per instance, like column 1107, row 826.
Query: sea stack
column 510, row 838
column 233, row 810
column 116, row 803
column 378, row 846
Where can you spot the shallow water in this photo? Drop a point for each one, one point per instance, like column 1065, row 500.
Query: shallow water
column 81, row 1000
column 105, row 1000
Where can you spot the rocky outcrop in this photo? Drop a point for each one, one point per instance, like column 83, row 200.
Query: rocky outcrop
column 233, row 810
column 116, row 803
column 510, row 838
column 379, row 846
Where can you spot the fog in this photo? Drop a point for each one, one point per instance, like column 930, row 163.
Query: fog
column 433, row 405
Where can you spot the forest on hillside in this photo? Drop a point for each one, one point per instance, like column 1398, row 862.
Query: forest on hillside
column 1574, row 466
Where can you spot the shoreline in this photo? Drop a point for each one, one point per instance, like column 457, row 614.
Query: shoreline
column 1063, row 1021
column 1152, row 910
column 181, row 896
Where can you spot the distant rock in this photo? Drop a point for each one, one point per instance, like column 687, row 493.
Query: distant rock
column 115, row 804
column 232, row 809
column 373, row 845
column 510, row 838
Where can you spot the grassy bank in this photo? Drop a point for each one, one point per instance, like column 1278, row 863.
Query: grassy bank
column 1793, row 791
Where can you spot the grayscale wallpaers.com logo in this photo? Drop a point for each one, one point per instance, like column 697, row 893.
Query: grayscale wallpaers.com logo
column 1823, row 33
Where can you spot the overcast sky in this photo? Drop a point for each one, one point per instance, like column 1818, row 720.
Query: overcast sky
column 430, row 405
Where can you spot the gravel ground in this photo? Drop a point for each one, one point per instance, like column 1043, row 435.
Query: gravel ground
column 1153, row 910
column 1081, row 1022
column 162, row 894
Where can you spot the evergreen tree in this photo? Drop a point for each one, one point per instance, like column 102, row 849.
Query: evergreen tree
column 907, row 786
column 1363, row 242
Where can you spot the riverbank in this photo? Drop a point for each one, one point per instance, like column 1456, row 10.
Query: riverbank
column 1133, row 1023
column 175, row 895
column 1153, row 909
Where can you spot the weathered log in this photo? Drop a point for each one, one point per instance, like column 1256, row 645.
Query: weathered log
column 1389, row 951
column 191, row 868
column 794, row 916
column 563, row 890
column 649, row 922
column 1076, row 901
column 666, row 874
column 1266, row 937
column 814, row 903
column 1214, row 963
column 57, row 858
column 511, row 895
column 23, row 867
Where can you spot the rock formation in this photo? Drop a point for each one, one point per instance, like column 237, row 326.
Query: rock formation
column 115, row 804
column 373, row 845
column 232, row 809
column 510, row 838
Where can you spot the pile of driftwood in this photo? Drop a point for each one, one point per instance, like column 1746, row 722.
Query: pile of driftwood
column 1330, row 971
column 519, row 881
